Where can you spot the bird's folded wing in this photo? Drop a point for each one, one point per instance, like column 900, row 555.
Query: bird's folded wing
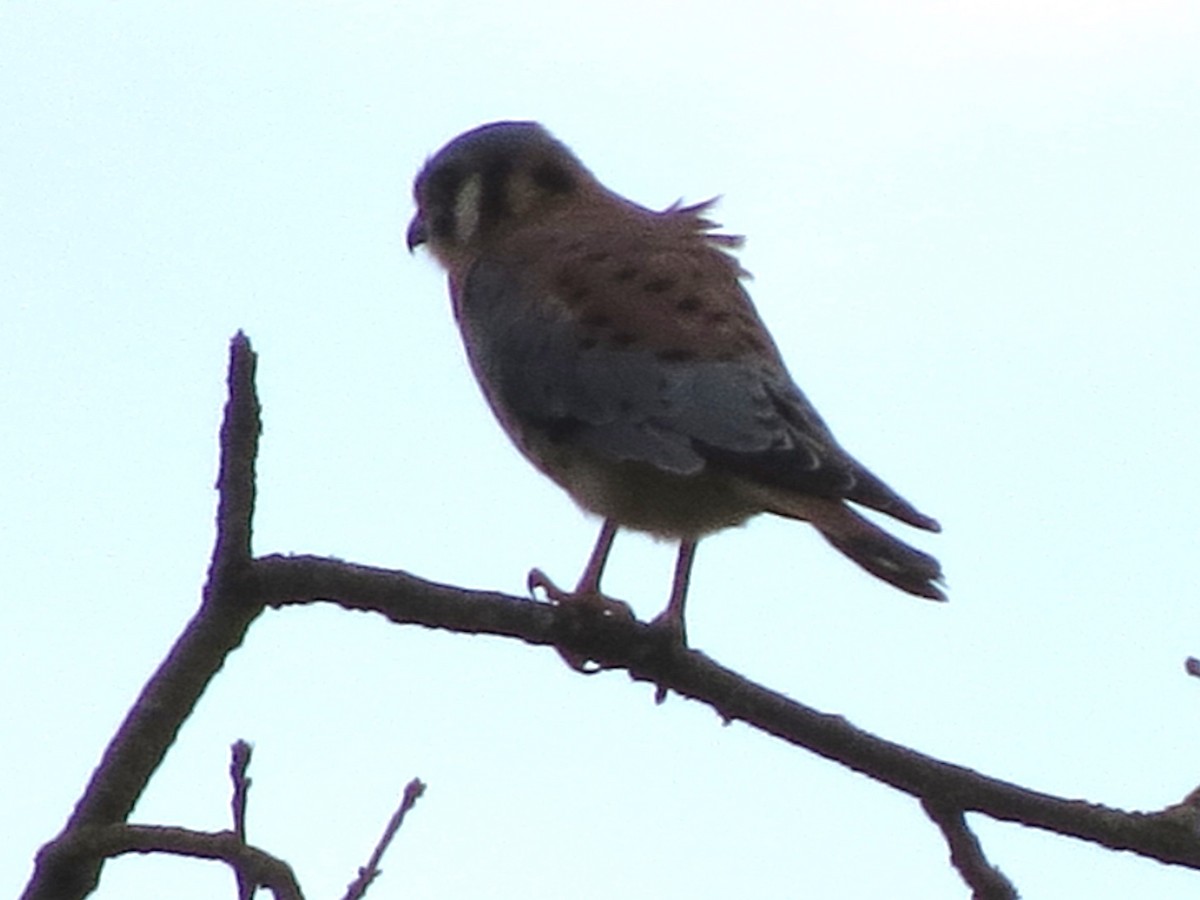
column 627, row 403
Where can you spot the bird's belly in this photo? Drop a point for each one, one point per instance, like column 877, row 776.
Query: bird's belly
column 643, row 497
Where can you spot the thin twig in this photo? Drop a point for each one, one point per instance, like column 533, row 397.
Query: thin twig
column 258, row 866
column 239, row 762
column 966, row 855
column 368, row 873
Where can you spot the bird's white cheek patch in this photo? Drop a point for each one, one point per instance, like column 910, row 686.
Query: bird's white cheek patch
column 466, row 209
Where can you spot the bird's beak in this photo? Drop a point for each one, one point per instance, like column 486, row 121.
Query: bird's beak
column 416, row 234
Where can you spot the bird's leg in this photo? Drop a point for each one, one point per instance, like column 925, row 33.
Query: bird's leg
column 588, row 588
column 589, row 581
column 671, row 618
column 669, row 623
column 584, row 605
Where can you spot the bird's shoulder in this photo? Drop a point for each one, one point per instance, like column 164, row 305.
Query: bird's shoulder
column 628, row 277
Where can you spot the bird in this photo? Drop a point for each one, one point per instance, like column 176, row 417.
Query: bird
column 619, row 349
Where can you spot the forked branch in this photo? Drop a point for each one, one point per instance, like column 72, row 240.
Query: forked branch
column 240, row 586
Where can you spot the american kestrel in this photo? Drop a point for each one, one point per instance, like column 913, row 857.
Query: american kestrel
column 620, row 351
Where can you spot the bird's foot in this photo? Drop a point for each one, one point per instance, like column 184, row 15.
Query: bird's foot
column 670, row 629
column 672, row 635
column 586, row 606
column 586, row 601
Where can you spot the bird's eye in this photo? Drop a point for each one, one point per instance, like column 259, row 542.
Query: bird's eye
column 552, row 177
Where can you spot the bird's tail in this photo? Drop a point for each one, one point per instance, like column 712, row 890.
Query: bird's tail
column 883, row 555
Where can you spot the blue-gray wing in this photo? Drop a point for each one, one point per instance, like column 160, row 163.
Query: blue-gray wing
column 543, row 369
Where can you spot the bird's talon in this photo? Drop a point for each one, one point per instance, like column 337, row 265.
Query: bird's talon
column 590, row 601
column 538, row 579
column 670, row 629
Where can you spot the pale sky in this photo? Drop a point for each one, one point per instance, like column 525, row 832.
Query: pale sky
column 973, row 230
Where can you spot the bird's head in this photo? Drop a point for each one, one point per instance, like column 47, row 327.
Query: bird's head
column 486, row 181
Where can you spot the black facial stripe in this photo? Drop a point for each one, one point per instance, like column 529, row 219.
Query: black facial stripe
column 440, row 190
column 441, row 225
column 443, row 184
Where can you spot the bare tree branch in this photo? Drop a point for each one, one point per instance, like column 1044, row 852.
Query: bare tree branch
column 368, row 873
column 240, row 428
column 230, row 605
column 985, row 880
column 1169, row 836
column 239, row 587
column 255, row 866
